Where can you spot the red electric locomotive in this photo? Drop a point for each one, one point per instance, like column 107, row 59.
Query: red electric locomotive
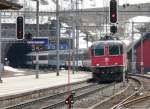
column 108, row 60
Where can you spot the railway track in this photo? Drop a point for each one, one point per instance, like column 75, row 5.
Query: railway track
column 140, row 96
column 58, row 100
column 84, row 91
column 53, row 98
column 31, row 97
column 111, row 99
column 98, row 97
column 80, row 95
column 144, row 102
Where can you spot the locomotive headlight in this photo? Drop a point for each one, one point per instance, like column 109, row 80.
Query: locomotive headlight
column 111, row 72
column 115, row 63
column 97, row 64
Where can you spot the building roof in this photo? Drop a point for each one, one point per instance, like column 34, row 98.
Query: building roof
column 9, row 5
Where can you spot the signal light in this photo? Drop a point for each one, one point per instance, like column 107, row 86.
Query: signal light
column 113, row 29
column 70, row 99
column 20, row 28
column 113, row 11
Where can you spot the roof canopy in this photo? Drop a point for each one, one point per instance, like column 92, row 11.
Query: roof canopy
column 9, row 5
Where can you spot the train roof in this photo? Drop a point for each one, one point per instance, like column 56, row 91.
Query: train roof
column 111, row 42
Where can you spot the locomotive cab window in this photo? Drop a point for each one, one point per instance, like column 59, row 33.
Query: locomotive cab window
column 115, row 49
column 99, row 50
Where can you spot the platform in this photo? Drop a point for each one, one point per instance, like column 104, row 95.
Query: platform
column 24, row 83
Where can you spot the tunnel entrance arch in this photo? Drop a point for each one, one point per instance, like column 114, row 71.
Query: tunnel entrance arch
column 16, row 54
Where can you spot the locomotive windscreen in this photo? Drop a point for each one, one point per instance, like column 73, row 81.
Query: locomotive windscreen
column 99, row 50
column 115, row 49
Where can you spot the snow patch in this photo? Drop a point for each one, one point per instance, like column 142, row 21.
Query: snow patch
column 8, row 68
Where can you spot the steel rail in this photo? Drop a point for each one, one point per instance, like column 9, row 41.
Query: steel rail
column 137, row 100
column 132, row 95
column 77, row 97
column 33, row 101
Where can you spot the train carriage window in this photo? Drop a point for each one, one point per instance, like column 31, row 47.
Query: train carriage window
column 114, row 49
column 33, row 57
column 99, row 50
column 43, row 57
column 30, row 58
column 62, row 57
column 52, row 57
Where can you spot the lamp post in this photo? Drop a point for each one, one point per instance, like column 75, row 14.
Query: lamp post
column 58, row 34
column 1, row 65
column 73, row 38
column 37, row 35
column 77, row 34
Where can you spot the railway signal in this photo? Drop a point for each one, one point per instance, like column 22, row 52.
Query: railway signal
column 20, row 28
column 113, row 11
column 113, row 29
column 70, row 100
